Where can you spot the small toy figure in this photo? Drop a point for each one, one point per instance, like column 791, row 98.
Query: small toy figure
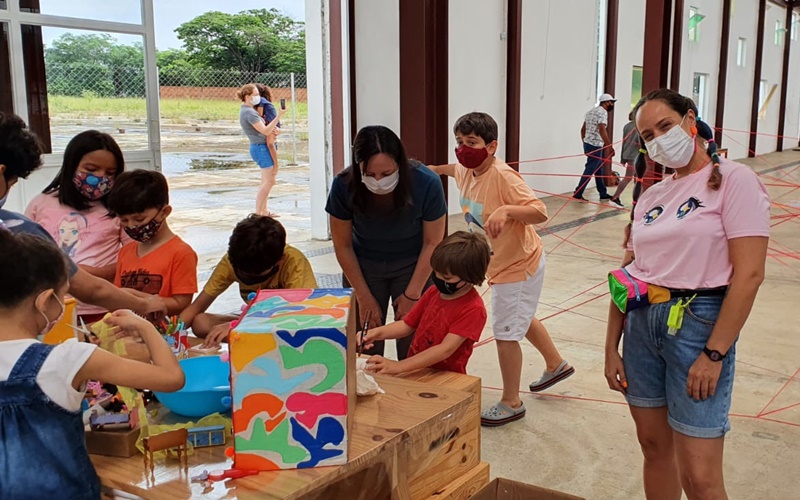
column 201, row 437
column 166, row 441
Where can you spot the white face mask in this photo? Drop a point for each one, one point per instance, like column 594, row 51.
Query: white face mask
column 255, row 100
column 673, row 149
column 51, row 323
column 383, row 186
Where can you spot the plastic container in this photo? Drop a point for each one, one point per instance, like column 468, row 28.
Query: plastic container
column 207, row 389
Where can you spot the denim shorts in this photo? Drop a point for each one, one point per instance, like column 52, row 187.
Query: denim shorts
column 260, row 154
column 657, row 366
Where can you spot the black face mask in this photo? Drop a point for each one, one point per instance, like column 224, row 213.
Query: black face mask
column 255, row 279
column 446, row 287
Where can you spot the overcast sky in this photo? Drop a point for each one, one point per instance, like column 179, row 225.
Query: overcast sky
column 169, row 14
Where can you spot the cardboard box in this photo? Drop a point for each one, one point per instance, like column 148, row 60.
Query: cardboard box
column 506, row 489
column 112, row 443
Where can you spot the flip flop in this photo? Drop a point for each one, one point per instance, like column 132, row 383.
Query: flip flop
column 273, row 215
column 501, row 414
column 549, row 379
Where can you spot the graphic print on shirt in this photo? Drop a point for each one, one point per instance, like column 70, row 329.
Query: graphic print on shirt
column 653, row 214
column 143, row 281
column 473, row 215
column 69, row 233
column 689, row 206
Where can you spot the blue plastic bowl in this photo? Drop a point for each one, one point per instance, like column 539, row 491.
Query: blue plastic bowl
column 207, row 389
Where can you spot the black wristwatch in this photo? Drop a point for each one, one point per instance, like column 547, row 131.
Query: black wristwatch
column 713, row 355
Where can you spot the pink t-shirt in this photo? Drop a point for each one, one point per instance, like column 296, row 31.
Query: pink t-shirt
column 681, row 227
column 90, row 237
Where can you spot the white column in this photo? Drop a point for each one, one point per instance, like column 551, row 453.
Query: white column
column 320, row 152
column 152, row 90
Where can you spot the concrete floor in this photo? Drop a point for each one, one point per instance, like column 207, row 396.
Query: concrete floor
column 578, row 437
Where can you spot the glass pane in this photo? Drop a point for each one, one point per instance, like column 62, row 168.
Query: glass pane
column 636, row 86
column 3, row 5
column 87, row 80
column 6, row 99
column 123, row 11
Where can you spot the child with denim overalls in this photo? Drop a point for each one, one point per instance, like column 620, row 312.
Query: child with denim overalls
column 43, row 451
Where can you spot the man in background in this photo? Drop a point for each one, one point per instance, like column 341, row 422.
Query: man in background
column 596, row 144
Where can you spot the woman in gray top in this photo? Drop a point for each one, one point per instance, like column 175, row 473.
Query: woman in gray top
column 259, row 133
column 630, row 150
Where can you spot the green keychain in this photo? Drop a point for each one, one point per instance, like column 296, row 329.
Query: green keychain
column 675, row 319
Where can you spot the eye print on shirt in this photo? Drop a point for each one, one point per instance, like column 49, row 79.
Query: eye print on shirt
column 689, row 206
column 651, row 215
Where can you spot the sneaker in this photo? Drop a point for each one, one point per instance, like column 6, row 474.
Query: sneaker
column 605, row 197
column 616, row 203
column 579, row 198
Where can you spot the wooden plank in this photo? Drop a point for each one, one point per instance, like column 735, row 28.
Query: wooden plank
column 381, row 423
column 466, row 486
column 446, row 464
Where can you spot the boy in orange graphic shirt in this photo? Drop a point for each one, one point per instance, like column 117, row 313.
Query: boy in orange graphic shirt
column 157, row 262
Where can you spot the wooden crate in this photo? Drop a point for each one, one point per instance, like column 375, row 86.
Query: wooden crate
column 121, row 443
column 456, row 449
column 465, row 486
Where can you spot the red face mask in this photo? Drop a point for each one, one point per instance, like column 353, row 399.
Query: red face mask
column 471, row 157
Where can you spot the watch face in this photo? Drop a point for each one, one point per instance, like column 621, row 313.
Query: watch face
column 715, row 356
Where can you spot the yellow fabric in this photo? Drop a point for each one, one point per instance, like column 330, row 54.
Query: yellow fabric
column 293, row 272
column 657, row 294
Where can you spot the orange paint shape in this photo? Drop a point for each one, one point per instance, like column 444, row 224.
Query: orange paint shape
column 249, row 461
column 272, row 423
column 254, row 404
column 315, row 311
column 250, row 346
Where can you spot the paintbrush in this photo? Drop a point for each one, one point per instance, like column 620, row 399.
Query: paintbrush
column 364, row 333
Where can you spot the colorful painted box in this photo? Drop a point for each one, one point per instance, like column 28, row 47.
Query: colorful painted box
column 293, row 379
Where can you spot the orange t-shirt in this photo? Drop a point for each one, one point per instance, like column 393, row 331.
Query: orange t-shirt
column 169, row 270
column 517, row 250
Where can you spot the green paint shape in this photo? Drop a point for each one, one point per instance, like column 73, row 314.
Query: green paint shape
column 317, row 352
column 277, row 441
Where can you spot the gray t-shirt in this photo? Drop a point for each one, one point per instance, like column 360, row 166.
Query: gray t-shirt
column 630, row 146
column 247, row 118
column 595, row 116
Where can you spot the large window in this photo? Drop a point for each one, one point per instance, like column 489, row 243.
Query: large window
column 699, row 93
column 795, row 25
column 636, row 86
column 741, row 53
column 779, row 32
column 6, row 99
column 123, row 11
column 763, row 92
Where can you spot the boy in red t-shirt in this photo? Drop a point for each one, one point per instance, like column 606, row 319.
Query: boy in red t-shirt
column 449, row 317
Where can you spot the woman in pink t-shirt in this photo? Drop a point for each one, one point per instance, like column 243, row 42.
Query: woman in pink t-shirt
column 73, row 208
column 702, row 233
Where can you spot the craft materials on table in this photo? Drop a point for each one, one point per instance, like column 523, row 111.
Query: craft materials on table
column 207, row 389
column 289, row 377
column 366, row 384
column 174, row 332
column 213, row 435
column 170, row 440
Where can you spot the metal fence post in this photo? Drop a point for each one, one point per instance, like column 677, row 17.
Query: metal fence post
column 294, row 123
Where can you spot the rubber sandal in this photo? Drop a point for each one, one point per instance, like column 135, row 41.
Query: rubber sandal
column 501, row 414
column 273, row 215
column 549, row 379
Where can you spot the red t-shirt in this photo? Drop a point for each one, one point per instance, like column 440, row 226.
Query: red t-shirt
column 434, row 317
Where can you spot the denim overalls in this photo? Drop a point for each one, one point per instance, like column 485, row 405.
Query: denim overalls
column 43, row 452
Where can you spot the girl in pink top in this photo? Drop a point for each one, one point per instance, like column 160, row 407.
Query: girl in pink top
column 702, row 233
column 73, row 208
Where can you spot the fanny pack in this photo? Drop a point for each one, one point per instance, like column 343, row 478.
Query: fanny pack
column 630, row 293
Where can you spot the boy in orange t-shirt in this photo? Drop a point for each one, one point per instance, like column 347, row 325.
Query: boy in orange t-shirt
column 157, row 262
column 496, row 200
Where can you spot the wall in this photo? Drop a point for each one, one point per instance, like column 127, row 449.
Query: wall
column 702, row 56
column 477, row 69
column 792, row 131
column 771, row 72
column 559, row 51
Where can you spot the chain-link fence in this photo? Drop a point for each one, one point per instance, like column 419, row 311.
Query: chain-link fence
column 205, row 156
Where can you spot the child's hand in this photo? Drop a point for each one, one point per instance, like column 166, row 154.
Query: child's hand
column 371, row 336
column 217, row 334
column 494, row 224
column 383, row 366
column 155, row 306
column 128, row 324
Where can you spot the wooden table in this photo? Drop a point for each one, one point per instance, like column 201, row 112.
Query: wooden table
column 390, row 433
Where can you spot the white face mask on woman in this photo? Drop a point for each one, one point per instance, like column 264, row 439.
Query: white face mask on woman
column 383, row 186
column 673, row 149
column 255, row 100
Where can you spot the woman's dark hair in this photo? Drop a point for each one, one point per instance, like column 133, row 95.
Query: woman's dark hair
column 81, row 145
column 256, row 245
column 264, row 91
column 682, row 104
column 370, row 141
column 137, row 191
column 38, row 265
column 20, row 149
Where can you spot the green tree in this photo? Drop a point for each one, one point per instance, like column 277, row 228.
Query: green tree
column 251, row 41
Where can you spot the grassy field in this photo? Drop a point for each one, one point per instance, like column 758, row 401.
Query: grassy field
column 172, row 110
